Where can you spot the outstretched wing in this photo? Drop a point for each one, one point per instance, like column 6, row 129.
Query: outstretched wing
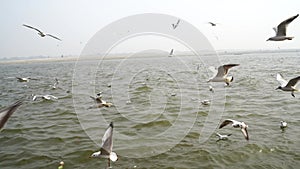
column 7, row 112
column 223, row 70
column 53, row 37
column 225, row 123
column 107, row 143
column 280, row 79
column 281, row 28
column 245, row 133
column 293, row 82
column 33, row 28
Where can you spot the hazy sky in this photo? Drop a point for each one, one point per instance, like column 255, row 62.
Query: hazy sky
column 243, row 24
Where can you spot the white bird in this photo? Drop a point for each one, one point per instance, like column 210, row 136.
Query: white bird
column 283, row 124
column 7, row 112
column 106, row 146
column 100, row 103
column 281, row 30
column 171, row 53
column 222, row 137
column 54, row 86
column 41, row 33
column 236, row 124
column 205, row 102
column 175, row 25
column 288, row 86
column 221, row 75
column 211, row 89
column 45, row 97
column 23, row 79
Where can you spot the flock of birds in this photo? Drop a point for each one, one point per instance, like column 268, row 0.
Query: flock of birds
column 221, row 75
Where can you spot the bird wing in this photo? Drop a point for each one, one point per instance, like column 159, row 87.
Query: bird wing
column 107, row 143
column 96, row 99
column 293, row 82
column 281, row 28
column 212, row 24
column 33, row 28
column 7, row 112
column 178, row 22
column 171, row 52
column 245, row 133
column 275, row 29
column 53, row 36
column 280, row 79
column 226, row 122
column 223, row 70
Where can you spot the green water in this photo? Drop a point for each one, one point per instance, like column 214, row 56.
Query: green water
column 153, row 129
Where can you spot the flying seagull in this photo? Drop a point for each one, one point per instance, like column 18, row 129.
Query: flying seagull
column 54, row 86
column 222, row 137
column 281, row 30
column 106, row 146
column 221, row 75
column 288, row 86
column 100, row 103
column 7, row 112
column 45, row 97
column 41, row 33
column 205, row 102
column 236, row 124
column 213, row 24
column 175, row 25
column 171, row 53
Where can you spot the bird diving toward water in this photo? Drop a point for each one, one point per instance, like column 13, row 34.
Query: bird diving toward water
column 106, row 146
column 288, row 86
column 7, row 112
column 42, row 34
column 236, row 124
column 221, row 74
column 281, row 30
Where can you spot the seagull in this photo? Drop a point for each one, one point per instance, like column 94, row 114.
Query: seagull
column 221, row 75
column 41, row 33
column 7, row 112
column 100, row 102
column 283, row 124
column 23, row 79
column 205, row 102
column 213, row 24
column 211, row 89
column 236, row 124
column 106, row 146
column 171, row 53
column 54, row 86
column 222, row 137
column 45, row 97
column 281, row 30
column 288, row 86
column 175, row 25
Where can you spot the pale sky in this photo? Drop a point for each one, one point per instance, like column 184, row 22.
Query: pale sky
column 243, row 24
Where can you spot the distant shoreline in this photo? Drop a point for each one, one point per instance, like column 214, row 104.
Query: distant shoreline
column 148, row 55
